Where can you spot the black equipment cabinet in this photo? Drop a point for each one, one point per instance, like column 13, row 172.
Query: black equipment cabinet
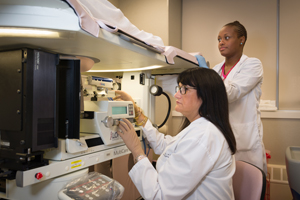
column 38, row 94
column 69, row 91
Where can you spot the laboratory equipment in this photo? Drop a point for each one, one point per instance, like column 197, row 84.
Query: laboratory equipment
column 157, row 91
column 106, row 119
column 38, row 106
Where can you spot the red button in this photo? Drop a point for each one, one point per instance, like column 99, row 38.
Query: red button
column 38, row 176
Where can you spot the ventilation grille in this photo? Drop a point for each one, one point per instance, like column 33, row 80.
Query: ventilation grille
column 278, row 174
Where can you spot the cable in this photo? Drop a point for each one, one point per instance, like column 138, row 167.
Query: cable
column 169, row 109
column 145, row 147
column 144, row 143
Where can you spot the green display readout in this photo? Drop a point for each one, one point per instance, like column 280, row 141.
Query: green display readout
column 119, row 110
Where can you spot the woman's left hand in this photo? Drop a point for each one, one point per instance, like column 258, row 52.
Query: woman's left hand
column 130, row 137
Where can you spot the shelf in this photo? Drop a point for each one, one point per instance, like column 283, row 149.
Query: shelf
column 281, row 114
column 109, row 51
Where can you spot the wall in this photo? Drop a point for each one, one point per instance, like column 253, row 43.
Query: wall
column 175, row 23
column 150, row 16
column 289, row 75
column 115, row 3
column 202, row 21
column 160, row 17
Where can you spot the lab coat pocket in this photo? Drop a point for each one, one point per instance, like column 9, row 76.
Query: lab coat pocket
column 246, row 136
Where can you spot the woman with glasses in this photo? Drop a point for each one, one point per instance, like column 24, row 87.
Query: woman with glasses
column 197, row 163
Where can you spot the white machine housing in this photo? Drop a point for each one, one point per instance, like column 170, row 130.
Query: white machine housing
column 103, row 111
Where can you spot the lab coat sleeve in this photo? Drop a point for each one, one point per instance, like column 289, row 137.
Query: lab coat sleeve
column 249, row 75
column 183, row 170
column 158, row 141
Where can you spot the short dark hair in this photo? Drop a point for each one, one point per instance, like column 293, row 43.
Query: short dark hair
column 211, row 89
column 239, row 28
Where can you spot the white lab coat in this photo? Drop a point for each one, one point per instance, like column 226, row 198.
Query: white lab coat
column 195, row 164
column 243, row 86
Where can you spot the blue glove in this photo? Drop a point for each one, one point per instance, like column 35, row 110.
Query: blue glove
column 201, row 61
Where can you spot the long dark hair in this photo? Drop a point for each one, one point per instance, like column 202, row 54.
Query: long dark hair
column 210, row 88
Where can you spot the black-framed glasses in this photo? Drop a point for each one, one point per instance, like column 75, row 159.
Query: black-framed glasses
column 183, row 89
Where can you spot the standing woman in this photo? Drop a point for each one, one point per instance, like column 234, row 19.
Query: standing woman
column 197, row 163
column 243, row 77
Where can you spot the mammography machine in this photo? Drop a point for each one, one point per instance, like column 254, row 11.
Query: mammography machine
column 46, row 137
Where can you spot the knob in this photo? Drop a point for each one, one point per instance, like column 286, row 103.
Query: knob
column 109, row 122
column 38, row 176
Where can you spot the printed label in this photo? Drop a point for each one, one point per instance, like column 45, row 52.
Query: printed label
column 76, row 163
column 120, row 151
column 114, row 136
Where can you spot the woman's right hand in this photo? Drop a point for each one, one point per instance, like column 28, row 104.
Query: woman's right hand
column 130, row 138
column 121, row 95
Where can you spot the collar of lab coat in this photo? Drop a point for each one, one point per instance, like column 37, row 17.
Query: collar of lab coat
column 185, row 131
column 235, row 70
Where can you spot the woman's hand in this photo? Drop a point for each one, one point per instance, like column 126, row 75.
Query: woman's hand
column 121, row 95
column 130, row 137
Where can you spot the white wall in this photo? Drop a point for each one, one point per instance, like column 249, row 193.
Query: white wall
column 160, row 17
column 289, row 76
column 150, row 16
column 202, row 21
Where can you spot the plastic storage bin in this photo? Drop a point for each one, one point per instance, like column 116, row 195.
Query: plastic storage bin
column 292, row 160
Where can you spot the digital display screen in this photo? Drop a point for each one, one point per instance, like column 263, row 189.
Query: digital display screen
column 119, row 110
